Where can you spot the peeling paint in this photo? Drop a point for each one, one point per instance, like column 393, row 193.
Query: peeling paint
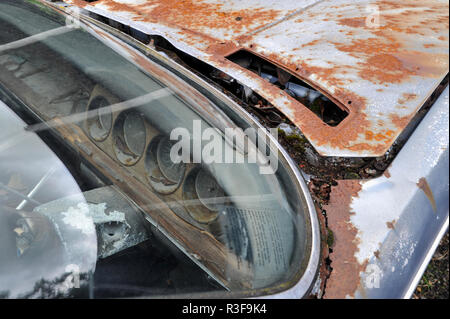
column 391, row 224
column 394, row 233
column 345, row 277
column 423, row 185
column 78, row 217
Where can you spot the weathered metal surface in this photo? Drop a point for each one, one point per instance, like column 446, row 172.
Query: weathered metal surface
column 383, row 246
column 119, row 224
column 381, row 68
column 344, row 278
column 156, row 208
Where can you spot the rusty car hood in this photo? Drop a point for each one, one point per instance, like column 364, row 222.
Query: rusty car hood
column 379, row 60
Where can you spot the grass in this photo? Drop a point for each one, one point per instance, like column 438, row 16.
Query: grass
column 434, row 283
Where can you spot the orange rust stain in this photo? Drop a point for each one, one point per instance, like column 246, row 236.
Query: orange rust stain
column 223, row 49
column 327, row 74
column 78, row 3
column 369, row 135
column 339, row 137
column 383, row 68
column 388, row 64
column 391, row 224
column 425, row 187
column 424, row 64
column 377, row 254
column 353, row 22
column 195, row 15
column 385, row 57
column 400, row 121
column 343, row 135
column 407, row 97
column 387, row 174
column 379, row 137
column 312, row 43
column 344, row 279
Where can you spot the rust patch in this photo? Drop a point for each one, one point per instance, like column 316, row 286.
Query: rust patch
column 385, row 57
column 344, row 279
column 387, row 174
column 346, row 133
column 391, row 224
column 78, row 3
column 326, row 74
column 423, row 185
column 406, row 97
column 400, row 121
column 377, row 254
column 353, row 22
column 192, row 16
column 384, row 68
column 312, row 43
column 342, row 136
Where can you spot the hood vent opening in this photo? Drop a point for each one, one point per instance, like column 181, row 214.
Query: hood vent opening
column 316, row 101
column 322, row 106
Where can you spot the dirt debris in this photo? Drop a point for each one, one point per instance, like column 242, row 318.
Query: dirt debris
column 434, row 282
